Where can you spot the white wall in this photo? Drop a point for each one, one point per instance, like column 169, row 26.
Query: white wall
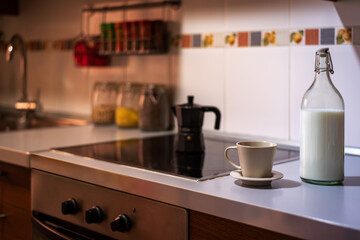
column 257, row 89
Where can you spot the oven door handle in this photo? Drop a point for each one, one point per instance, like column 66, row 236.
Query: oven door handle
column 52, row 233
column 48, row 231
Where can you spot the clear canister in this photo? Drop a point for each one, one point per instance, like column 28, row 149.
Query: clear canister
column 104, row 102
column 154, row 109
column 127, row 107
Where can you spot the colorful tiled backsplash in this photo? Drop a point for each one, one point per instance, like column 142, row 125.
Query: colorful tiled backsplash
column 277, row 37
column 258, row 38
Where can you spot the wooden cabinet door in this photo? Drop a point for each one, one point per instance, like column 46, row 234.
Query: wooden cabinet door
column 15, row 216
column 15, row 175
column 16, row 224
column 208, row 227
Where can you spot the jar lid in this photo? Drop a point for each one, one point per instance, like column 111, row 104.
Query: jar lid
column 151, row 86
column 154, row 89
column 106, row 85
column 127, row 86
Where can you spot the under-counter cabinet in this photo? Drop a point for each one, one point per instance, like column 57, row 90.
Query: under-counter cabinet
column 208, row 227
column 15, row 215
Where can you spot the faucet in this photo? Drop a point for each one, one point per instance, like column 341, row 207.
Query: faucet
column 23, row 103
column 26, row 107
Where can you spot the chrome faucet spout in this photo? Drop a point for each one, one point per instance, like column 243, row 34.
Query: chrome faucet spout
column 23, row 62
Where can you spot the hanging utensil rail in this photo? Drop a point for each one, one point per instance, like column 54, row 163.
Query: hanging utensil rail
column 176, row 4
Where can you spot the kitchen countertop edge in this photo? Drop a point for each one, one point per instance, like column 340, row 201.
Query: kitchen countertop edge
column 192, row 195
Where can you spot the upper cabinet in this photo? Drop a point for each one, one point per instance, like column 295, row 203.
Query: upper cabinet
column 10, row 7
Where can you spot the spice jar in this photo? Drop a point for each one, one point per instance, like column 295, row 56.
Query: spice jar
column 135, row 39
column 103, row 38
column 154, row 112
column 119, row 37
column 158, row 36
column 127, row 108
column 145, row 35
column 127, row 36
column 111, row 37
column 104, row 102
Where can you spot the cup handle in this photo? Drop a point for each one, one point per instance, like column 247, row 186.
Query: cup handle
column 227, row 157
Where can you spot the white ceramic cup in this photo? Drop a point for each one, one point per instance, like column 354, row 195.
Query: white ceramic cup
column 256, row 158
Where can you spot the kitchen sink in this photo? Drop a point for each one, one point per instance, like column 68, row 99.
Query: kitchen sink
column 16, row 120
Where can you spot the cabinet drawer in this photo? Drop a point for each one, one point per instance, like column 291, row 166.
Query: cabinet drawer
column 16, row 224
column 15, row 175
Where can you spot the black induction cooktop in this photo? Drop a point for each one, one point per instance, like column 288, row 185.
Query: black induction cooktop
column 158, row 154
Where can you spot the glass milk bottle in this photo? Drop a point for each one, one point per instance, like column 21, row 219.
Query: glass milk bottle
column 322, row 127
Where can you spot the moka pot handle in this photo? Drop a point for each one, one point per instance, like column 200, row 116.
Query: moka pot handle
column 217, row 113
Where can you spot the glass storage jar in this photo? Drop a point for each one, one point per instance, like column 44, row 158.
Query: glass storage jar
column 103, row 102
column 127, row 107
column 154, row 112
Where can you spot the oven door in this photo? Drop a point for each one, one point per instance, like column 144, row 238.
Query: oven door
column 46, row 227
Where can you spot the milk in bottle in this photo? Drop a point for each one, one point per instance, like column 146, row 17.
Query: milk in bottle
column 322, row 127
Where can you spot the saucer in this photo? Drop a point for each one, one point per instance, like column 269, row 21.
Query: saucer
column 258, row 182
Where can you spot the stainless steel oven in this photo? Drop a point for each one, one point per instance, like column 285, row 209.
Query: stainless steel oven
column 64, row 208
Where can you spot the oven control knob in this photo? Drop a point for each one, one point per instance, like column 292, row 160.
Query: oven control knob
column 94, row 215
column 69, row 206
column 121, row 223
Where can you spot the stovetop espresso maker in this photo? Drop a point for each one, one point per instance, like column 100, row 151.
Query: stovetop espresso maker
column 190, row 118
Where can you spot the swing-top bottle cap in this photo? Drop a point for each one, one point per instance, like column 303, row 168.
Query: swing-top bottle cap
column 323, row 52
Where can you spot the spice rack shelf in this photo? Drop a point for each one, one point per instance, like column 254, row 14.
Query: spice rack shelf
column 124, row 38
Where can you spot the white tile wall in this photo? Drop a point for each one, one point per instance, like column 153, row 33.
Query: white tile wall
column 199, row 16
column 201, row 74
column 258, row 90
column 256, row 15
column 63, row 85
column 301, row 77
column 310, row 13
column 347, row 80
column 9, row 79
